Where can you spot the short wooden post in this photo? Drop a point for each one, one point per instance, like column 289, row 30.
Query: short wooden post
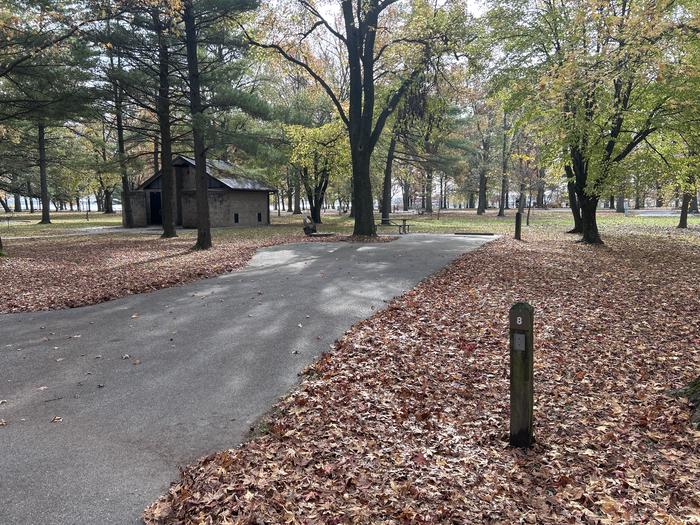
column 518, row 225
column 521, row 374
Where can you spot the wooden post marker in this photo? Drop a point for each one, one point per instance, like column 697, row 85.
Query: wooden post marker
column 521, row 385
column 518, row 225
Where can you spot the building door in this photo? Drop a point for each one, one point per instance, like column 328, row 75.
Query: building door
column 156, row 215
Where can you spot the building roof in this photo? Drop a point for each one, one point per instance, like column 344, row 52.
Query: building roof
column 228, row 174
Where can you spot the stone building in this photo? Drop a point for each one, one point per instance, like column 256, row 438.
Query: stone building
column 234, row 200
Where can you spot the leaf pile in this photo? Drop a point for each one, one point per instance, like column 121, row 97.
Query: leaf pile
column 65, row 272
column 406, row 420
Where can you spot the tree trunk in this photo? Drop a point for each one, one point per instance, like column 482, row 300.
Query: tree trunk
column 587, row 203
column 502, row 203
column 539, row 203
column 406, row 195
column 694, row 203
column 4, row 205
column 18, row 202
column 482, row 189
column 573, row 201
column 620, row 205
column 167, row 175
column 77, row 203
column 290, row 189
column 315, row 191
column 31, row 200
column 297, row 193
column 108, row 204
column 386, row 190
column 685, row 206
column 521, row 199
column 156, row 155
column 127, row 212
column 589, row 223
column 44, row 183
column 198, row 129
column 362, row 207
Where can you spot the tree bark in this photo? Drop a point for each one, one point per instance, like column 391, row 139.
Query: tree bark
column 108, row 204
column 406, row 195
column 362, row 202
column 127, row 212
column 589, row 206
column 522, row 199
column 31, row 199
column 482, row 189
column 694, row 203
column 539, row 203
column 316, row 192
column 18, row 202
column 386, row 190
column 290, row 189
column 504, row 171
column 620, row 205
column 573, row 201
column 685, row 207
column 156, row 155
column 167, row 175
column 4, row 205
column 297, row 193
column 43, row 179
column 198, row 128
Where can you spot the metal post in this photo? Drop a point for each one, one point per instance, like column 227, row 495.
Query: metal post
column 521, row 374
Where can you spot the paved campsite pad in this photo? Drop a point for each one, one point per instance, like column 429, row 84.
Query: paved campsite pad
column 145, row 384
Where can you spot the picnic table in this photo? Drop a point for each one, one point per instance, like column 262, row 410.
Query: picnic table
column 404, row 226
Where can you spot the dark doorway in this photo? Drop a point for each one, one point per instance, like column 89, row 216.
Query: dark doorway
column 156, row 216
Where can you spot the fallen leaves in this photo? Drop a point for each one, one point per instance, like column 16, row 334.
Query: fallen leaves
column 66, row 272
column 405, row 420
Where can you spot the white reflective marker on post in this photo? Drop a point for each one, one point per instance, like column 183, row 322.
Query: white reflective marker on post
column 521, row 374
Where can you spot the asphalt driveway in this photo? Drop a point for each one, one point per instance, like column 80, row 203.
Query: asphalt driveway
column 103, row 403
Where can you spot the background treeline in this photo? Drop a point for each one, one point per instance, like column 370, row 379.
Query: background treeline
column 360, row 104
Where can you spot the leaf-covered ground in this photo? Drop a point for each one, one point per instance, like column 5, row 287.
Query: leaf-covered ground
column 405, row 420
column 65, row 272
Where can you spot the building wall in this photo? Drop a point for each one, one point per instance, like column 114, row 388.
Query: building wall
column 138, row 208
column 188, row 180
column 224, row 204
